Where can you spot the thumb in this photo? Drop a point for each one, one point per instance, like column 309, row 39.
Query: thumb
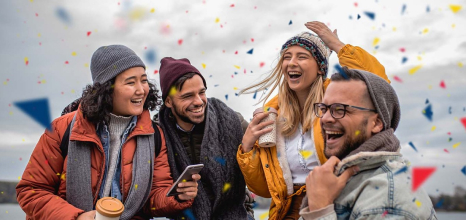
column 348, row 173
column 335, row 32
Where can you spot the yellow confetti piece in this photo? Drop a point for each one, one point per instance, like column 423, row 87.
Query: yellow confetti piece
column 357, row 132
column 217, row 20
column 26, row 59
column 153, row 208
column 226, row 187
column 23, row 140
column 58, row 174
column 453, row 25
column 148, row 161
column 375, row 42
column 38, row 35
column 183, row 181
column 237, row 67
column 418, row 203
column 19, row 178
column 425, row 30
column 419, row 58
column 414, row 69
column 427, row 142
column 433, row 128
column 63, row 176
column 43, row 81
column 203, row 65
column 31, row 0
column 430, row 86
column 394, row 28
column 172, row 91
column 135, row 186
column 306, row 153
column 263, row 215
column 152, row 10
column 460, row 64
column 456, row 145
column 137, row 14
column 86, row 65
column 73, row 53
column 455, row 8
column 235, row 88
column 5, row 82
column 6, row 212
column 72, row 91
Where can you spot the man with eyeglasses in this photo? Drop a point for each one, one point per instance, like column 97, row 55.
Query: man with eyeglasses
column 364, row 178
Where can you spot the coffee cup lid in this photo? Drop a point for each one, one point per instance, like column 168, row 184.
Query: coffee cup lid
column 109, row 207
column 264, row 109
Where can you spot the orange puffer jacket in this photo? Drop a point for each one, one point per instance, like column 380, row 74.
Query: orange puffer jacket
column 41, row 193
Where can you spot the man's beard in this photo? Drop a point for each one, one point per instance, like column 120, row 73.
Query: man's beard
column 351, row 143
column 185, row 118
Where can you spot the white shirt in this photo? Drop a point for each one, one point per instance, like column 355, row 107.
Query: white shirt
column 301, row 154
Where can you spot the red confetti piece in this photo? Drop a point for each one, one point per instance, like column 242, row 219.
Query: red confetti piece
column 385, row 213
column 27, row 62
column 37, row 15
column 420, row 175
column 262, row 64
column 446, row 150
column 46, row 162
column 402, row 49
column 244, row 71
column 89, row 33
column 66, row 62
column 252, row 39
column 145, row 48
column 40, row 43
column 186, row 11
column 449, row 133
column 396, row 78
column 223, row 51
column 180, row 41
column 236, row 52
column 255, row 7
column 118, row 3
column 463, row 121
column 20, row 158
column 221, row 26
column 62, row 93
column 156, row 71
column 442, row 84
column 232, row 5
column 232, row 76
column 355, row 4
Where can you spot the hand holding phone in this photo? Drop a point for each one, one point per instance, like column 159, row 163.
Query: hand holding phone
column 186, row 176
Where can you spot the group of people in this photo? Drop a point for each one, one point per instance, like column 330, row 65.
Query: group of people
column 340, row 165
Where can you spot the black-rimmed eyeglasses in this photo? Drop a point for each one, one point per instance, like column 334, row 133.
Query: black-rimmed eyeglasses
column 337, row 110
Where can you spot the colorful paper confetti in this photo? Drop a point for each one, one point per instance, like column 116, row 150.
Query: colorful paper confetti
column 414, row 69
column 420, row 175
column 455, row 8
column 456, row 145
column 250, row 51
column 37, row 109
column 412, row 146
column 370, row 15
column 226, row 187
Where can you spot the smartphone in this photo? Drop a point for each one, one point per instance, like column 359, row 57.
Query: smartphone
column 187, row 176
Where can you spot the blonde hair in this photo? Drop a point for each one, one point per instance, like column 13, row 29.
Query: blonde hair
column 288, row 100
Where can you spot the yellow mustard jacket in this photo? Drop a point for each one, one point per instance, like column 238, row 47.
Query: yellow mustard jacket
column 266, row 170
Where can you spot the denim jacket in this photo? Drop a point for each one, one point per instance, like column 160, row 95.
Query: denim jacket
column 381, row 189
column 104, row 135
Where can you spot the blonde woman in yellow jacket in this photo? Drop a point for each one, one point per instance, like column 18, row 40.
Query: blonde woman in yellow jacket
column 279, row 172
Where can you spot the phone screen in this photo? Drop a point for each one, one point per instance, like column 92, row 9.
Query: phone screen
column 185, row 176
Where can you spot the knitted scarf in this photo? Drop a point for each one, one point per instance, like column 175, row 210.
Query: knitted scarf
column 222, row 136
column 78, row 175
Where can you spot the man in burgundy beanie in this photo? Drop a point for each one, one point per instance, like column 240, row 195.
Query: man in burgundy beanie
column 201, row 130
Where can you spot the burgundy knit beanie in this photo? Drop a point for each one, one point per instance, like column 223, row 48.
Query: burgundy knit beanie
column 171, row 70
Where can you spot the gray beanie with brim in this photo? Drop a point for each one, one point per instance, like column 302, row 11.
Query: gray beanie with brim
column 384, row 99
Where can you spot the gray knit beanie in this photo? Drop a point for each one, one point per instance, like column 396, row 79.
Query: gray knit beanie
column 383, row 97
column 109, row 61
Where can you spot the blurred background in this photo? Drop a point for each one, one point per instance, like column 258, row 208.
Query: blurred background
column 46, row 47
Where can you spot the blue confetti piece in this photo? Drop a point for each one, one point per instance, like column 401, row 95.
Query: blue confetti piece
column 255, row 95
column 377, row 47
column 351, row 17
column 37, row 109
column 236, row 73
column 220, row 160
column 340, row 71
column 359, row 16
column 427, row 101
column 402, row 170
column 226, row 97
column 150, row 56
column 369, row 14
column 250, row 51
column 215, row 85
column 63, row 15
column 412, row 145
column 189, row 214
column 403, row 9
column 236, row 94
column 210, row 76
column 291, row 22
column 464, row 170
column 449, row 110
column 428, row 9
column 404, row 59
column 450, row 139
column 428, row 112
column 439, row 204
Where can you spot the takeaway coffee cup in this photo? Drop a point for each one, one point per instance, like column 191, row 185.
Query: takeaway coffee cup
column 109, row 208
column 268, row 139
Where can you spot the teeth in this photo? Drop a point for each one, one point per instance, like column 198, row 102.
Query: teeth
column 136, row 100
column 294, row 73
column 196, row 110
column 333, row 132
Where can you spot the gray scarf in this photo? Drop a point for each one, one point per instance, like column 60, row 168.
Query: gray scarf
column 222, row 136
column 78, row 175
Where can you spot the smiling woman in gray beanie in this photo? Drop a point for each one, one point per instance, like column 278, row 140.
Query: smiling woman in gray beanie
column 111, row 152
column 301, row 78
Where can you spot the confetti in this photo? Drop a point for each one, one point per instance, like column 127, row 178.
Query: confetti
column 371, row 15
column 414, row 69
column 290, row 23
column 26, row 61
column 427, row 9
column 442, row 84
column 89, row 33
column 412, row 146
column 232, row 5
column 217, row 20
column 255, row 95
column 237, row 67
column 264, row 215
column 455, row 8
column 357, row 133
column 384, row 213
column 150, row 56
column 172, row 91
column 180, row 41
column 220, row 160
column 398, row 79
column 250, row 51
column 189, row 213
column 464, row 170
column 305, row 153
column 226, row 187
column 439, row 204
column 226, row 97
column 463, row 121
column 261, row 64
column 37, row 109
column 135, row 186
column 456, row 145
column 375, row 41
column 63, row 15
column 203, row 65
column 402, row 170
column 338, row 69
column 359, row 16
column 425, row 31
column 402, row 49
column 433, row 128
column 404, row 59
column 418, row 203
column 73, row 54
column 446, row 151
column 152, row 10
column 428, row 111
column 403, row 9
column 420, row 175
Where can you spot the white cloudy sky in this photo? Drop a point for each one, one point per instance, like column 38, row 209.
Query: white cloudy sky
column 211, row 33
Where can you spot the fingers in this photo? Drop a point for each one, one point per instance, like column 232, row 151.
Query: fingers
column 335, row 32
column 196, row 177
column 331, row 162
column 348, row 173
column 258, row 117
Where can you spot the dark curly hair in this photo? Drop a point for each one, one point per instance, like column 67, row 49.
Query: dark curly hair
column 97, row 101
